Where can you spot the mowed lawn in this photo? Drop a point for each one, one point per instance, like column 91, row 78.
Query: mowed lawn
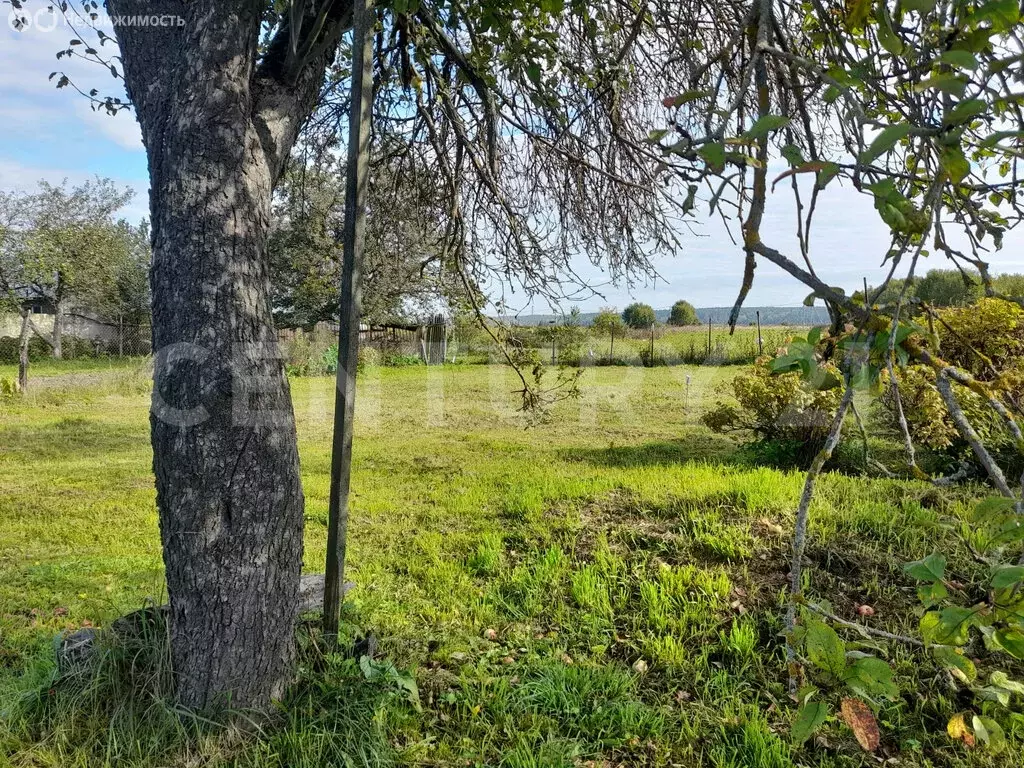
column 602, row 585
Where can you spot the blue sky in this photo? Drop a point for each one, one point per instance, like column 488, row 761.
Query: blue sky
column 51, row 135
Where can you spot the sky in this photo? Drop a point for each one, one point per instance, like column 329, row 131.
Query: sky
column 53, row 134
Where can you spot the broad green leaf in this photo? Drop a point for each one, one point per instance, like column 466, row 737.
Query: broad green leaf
column 932, row 594
column 870, row 677
column 1003, row 14
column 657, row 135
column 947, row 627
column 989, row 732
column 765, row 125
column 826, row 174
column 931, row 568
column 959, row 59
column 991, row 507
column 950, row 658
column 1008, row 576
column 883, row 142
column 1002, row 680
column 946, row 82
column 964, row 111
column 887, row 37
column 809, row 718
column 1011, row 641
column 713, row 155
column 793, row 155
column 955, row 163
column 825, row 649
column 995, row 138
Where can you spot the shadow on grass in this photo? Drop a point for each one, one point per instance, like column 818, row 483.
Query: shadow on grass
column 703, row 447
column 114, row 706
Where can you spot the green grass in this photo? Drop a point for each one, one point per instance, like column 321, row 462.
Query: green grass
column 618, row 530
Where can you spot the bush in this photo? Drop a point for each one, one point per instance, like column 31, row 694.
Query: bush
column 647, row 360
column 683, row 313
column 37, row 350
column 310, row 354
column 402, row 361
column 991, row 328
column 785, row 414
column 369, row 357
column 638, row 315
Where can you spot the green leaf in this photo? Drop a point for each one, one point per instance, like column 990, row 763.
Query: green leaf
column 887, row 37
column 964, row 111
column 955, row 163
column 1002, row 13
column 657, row 135
column 870, row 677
column 813, row 336
column 959, row 59
column 946, row 82
column 713, row 155
column 950, row 658
column 995, row 138
column 793, row 155
column 1007, row 576
column 932, row 594
column 931, row 568
column 1002, row 680
column 883, row 142
column 991, row 507
column 950, row 626
column 1011, row 641
column 825, row 649
column 826, row 174
column 765, row 125
column 989, row 732
column 921, row 6
column 809, row 718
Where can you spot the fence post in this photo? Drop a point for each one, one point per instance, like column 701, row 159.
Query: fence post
column 120, row 335
column 760, row 343
column 709, row 335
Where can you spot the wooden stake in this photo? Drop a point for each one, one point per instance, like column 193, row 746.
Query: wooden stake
column 357, row 173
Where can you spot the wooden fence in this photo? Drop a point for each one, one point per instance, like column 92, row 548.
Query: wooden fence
column 429, row 341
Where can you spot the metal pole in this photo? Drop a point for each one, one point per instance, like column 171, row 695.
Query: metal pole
column 709, row 335
column 760, row 342
column 353, row 236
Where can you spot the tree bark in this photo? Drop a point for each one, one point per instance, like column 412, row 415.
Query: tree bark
column 217, row 131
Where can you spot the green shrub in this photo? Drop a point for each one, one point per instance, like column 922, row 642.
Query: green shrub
column 369, row 357
column 683, row 313
column 310, row 354
column 987, row 340
column 638, row 315
column 402, row 361
column 37, row 350
column 780, row 410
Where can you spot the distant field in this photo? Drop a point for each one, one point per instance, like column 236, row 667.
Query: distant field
column 618, row 530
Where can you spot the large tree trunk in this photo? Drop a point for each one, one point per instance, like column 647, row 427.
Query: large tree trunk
column 217, row 133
